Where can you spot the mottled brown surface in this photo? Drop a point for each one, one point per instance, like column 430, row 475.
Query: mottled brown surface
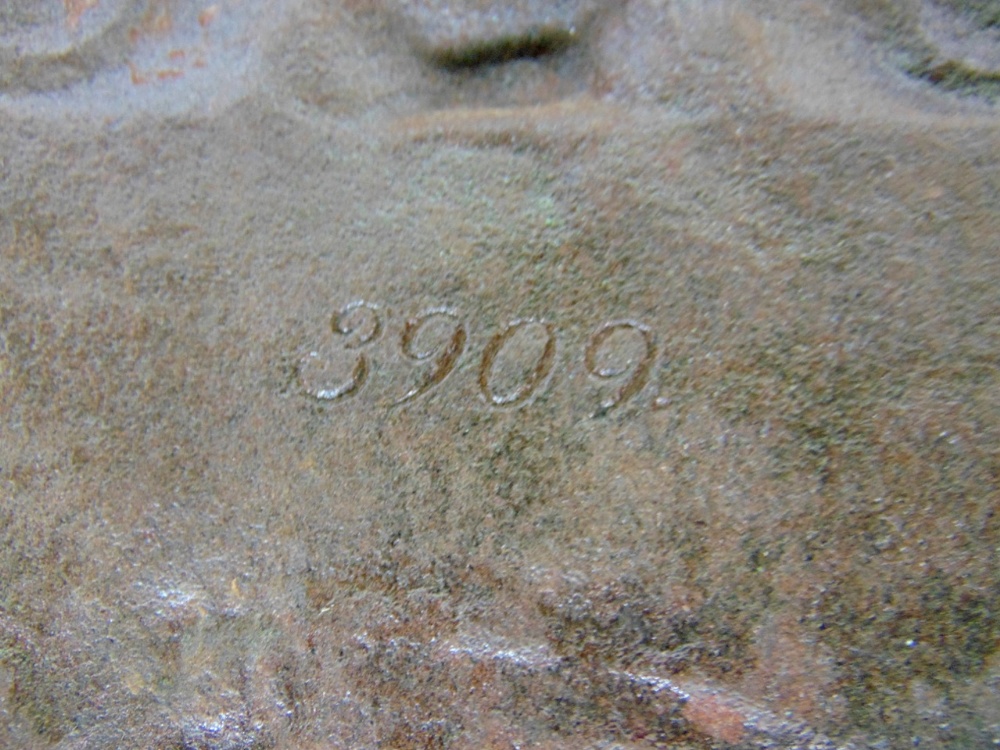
column 474, row 375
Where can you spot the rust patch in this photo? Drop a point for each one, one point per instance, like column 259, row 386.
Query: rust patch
column 710, row 715
column 207, row 16
column 75, row 10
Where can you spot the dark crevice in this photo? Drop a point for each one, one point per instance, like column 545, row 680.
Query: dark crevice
column 954, row 75
column 532, row 45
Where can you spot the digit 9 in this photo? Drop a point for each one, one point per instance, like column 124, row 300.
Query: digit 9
column 634, row 373
column 445, row 355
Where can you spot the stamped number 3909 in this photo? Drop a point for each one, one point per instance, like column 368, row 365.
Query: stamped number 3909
column 360, row 324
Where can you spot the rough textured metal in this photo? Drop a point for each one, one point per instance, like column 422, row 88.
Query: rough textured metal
column 499, row 375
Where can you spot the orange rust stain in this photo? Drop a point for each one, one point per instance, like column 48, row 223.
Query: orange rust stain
column 177, row 54
column 208, row 15
column 156, row 21
column 138, row 79
column 162, row 22
column 711, row 716
column 791, row 669
column 169, row 74
column 75, row 10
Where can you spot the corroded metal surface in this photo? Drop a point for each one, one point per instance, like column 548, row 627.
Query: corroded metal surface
column 476, row 375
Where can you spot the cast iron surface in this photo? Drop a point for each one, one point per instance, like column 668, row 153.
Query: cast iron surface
column 449, row 374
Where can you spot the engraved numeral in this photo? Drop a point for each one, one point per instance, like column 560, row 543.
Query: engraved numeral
column 535, row 376
column 516, row 363
column 446, row 355
column 359, row 324
column 635, row 371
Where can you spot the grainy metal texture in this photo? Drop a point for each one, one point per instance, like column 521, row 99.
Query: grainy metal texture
column 499, row 375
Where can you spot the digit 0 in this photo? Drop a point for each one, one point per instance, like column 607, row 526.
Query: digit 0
column 535, row 375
